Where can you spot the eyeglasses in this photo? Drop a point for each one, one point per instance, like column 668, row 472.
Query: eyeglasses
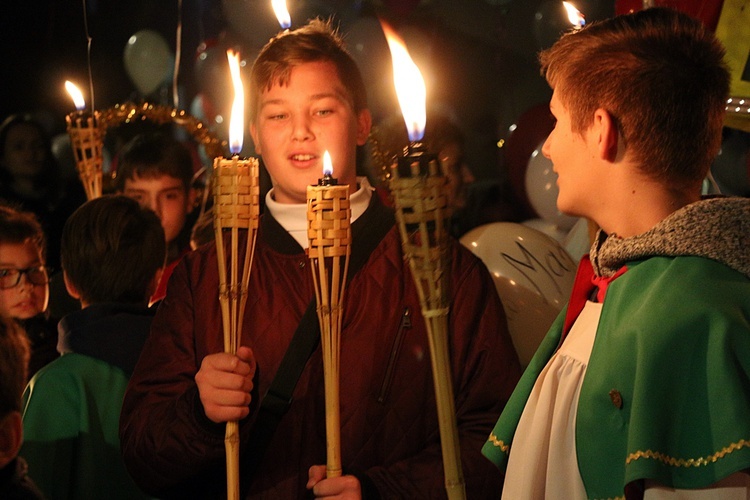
column 10, row 278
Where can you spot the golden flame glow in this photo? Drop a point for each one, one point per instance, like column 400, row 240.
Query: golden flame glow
column 282, row 14
column 236, row 122
column 410, row 86
column 327, row 164
column 574, row 15
column 76, row 94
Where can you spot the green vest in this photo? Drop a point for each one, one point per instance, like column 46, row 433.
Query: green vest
column 70, row 423
column 666, row 395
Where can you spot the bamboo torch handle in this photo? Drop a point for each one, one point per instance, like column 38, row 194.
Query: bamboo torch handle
column 236, row 206
column 454, row 481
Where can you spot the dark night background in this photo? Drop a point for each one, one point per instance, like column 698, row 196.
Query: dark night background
column 478, row 58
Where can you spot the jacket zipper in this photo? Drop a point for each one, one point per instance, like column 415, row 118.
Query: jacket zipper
column 403, row 326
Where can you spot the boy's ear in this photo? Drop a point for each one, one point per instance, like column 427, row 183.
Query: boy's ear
column 364, row 124
column 11, row 437
column 606, row 135
column 70, row 287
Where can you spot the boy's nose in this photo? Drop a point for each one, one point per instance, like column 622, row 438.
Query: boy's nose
column 152, row 203
column 301, row 130
column 24, row 282
column 545, row 148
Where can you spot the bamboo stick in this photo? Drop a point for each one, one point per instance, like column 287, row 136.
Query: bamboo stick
column 420, row 195
column 236, row 208
column 329, row 233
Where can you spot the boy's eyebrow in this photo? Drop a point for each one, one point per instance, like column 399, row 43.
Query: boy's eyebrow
column 136, row 190
column 323, row 95
column 10, row 265
column 341, row 96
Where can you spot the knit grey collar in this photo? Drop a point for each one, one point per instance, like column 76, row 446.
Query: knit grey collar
column 716, row 228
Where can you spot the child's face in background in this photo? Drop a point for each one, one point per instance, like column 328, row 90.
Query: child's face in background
column 26, row 299
column 164, row 195
column 24, row 152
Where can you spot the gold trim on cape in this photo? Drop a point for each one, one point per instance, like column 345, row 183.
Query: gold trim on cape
column 691, row 462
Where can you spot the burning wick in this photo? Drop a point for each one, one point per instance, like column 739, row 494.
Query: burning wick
column 76, row 94
column 328, row 179
column 575, row 16
column 236, row 121
column 410, row 86
column 282, row 14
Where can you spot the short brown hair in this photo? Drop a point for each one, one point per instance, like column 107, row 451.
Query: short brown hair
column 111, row 249
column 314, row 42
column 153, row 155
column 17, row 227
column 661, row 76
column 14, row 364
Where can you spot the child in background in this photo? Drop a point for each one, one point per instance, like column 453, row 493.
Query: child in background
column 14, row 357
column 113, row 251
column 156, row 170
column 31, row 178
column 24, row 283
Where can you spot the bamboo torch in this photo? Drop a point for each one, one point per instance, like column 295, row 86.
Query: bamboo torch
column 87, row 141
column 329, row 233
column 236, row 207
column 420, row 195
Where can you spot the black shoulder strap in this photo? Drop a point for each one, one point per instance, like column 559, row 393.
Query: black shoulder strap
column 367, row 232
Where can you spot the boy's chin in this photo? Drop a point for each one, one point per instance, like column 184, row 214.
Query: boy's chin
column 27, row 314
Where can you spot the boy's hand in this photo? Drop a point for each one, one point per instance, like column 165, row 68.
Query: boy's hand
column 343, row 487
column 224, row 384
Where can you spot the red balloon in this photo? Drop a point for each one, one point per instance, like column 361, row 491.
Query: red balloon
column 707, row 11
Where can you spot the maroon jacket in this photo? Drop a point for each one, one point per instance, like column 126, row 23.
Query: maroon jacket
column 389, row 427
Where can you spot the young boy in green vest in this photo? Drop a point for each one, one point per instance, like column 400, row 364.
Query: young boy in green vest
column 641, row 388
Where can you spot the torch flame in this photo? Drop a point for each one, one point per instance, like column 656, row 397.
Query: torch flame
column 236, row 122
column 410, row 86
column 76, row 94
column 282, row 14
column 574, row 15
column 327, row 164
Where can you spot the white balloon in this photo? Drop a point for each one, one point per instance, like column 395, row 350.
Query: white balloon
column 533, row 275
column 148, row 60
column 541, row 188
column 547, row 227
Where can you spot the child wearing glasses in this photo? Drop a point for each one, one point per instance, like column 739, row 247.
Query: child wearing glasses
column 24, row 283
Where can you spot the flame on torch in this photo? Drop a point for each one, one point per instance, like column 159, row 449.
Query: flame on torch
column 236, row 122
column 410, row 86
column 574, row 15
column 76, row 94
column 327, row 164
column 282, row 14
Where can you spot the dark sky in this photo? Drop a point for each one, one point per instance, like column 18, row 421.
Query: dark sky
column 43, row 43
column 479, row 56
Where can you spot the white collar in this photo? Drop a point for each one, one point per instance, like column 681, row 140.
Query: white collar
column 293, row 216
